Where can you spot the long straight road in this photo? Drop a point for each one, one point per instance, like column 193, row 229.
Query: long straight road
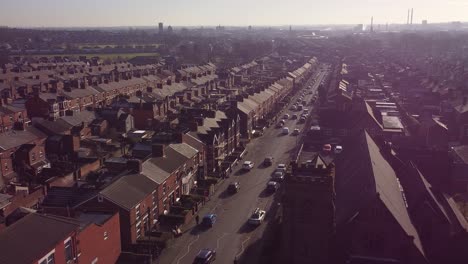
column 231, row 234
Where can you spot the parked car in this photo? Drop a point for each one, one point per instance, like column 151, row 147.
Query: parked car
column 247, row 165
column 205, row 256
column 338, row 149
column 280, row 124
column 233, row 187
column 209, row 220
column 257, row 217
column 302, row 119
column 268, row 161
column 286, row 116
column 327, row 148
column 257, row 133
column 294, row 116
column 272, row 186
column 281, row 166
column 285, row 130
column 296, row 132
column 277, row 176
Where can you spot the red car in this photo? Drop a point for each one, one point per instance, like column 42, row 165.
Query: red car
column 327, row 148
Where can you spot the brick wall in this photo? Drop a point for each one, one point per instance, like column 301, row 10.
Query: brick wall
column 101, row 242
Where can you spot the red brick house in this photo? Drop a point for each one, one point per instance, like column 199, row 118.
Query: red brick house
column 134, row 197
column 11, row 116
column 44, row 239
column 33, row 156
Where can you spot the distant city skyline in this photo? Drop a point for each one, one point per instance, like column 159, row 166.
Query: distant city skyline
column 112, row 13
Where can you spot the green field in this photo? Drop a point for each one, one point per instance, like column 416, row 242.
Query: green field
column 113, row 56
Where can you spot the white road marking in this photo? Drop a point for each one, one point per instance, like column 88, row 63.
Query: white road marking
column 217, row 241
column 242, row 246
column 188, row 249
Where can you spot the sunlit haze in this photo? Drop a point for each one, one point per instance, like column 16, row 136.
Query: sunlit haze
column 55, row 13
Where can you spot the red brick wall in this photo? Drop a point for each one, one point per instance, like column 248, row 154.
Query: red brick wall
column 59, row 252
column 93, row 245
column 171, row 185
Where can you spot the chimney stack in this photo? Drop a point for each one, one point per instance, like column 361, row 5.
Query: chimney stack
column 407, row 17
column 411, row 16
column 157, row 150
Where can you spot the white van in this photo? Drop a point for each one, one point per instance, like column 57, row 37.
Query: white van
column 285, row 130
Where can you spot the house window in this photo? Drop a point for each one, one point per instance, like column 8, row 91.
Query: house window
column 6, row 166
column 41, row 154
column 49, row 258
column 68, row 250
column 106, row 236
column 33, row 156
column 155, row 199
column 137, row 211
column 138, row 229
column 164, row 188
column 95, row 261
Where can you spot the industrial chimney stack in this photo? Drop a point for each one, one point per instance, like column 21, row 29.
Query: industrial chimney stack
column 411, row 16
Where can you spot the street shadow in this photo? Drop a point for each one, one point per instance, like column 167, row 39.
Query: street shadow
column 265, row 193
column 198, row 229
column 246, row 228
column 240, row 172
column 225, row 194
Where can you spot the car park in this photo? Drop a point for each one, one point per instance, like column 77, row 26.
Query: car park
column 268, row 161
column 257, row 217
column 209, row 220
column 205, row 256
column 233, row 187
column 247, row 165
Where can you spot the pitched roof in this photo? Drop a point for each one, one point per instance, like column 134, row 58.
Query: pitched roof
column 184, row 149
column 16, row 138
column 129, row 190
column 362, row 175
column 36, row 234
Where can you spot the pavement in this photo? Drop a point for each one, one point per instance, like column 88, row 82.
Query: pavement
column 231, row 235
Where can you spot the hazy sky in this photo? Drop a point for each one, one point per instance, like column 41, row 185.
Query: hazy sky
column 37, row 13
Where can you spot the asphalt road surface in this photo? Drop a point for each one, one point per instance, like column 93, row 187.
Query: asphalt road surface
column 231, row 234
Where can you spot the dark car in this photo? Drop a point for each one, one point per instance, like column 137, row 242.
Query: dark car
column 294, row 116
column 233, row 187
column 205, row 256
column 209, row 220
column 268, row 161
column 277, row 176
column 272, row 186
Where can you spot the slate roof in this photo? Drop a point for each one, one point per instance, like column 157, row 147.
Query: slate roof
column 461, row 153
column 363, row 175
column 32, row 237
column 79, row 117
column 16, row 138
column 129, row 190
column 184, row 149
